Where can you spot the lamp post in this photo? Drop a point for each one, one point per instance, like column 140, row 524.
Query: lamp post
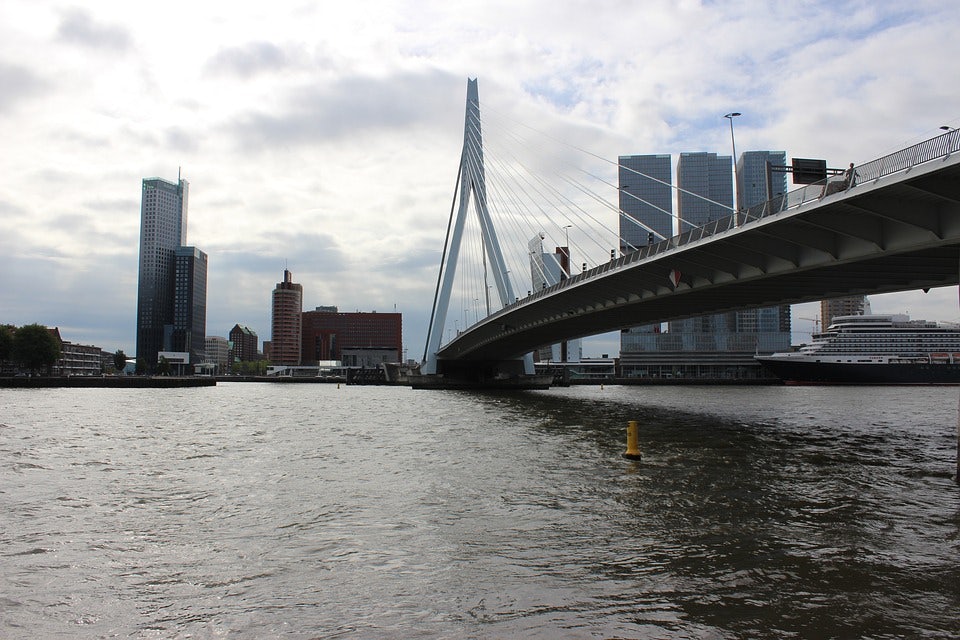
column 736, row 177
column 949, row 131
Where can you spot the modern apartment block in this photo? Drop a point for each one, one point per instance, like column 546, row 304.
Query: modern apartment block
column 163, row 228
column 704, row 189
column 218, row 354
column 846, row 306
column 756, row 185
column 188, row 331
column 646, row 200
column 355, row 339
column 285, row 337
column 244, row 344
column 646, row 203
column 547, row 269
column 714, row 346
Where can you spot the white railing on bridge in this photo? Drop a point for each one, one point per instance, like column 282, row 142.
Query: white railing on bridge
column 941, row 146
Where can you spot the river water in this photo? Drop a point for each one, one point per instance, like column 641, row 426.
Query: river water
column 316, row 511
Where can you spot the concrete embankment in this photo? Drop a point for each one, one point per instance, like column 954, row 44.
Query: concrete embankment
column 110, row 382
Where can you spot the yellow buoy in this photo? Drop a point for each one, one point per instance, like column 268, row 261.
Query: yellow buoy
column 633, row 450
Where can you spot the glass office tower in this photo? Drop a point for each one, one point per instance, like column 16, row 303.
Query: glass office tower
column 163, row 228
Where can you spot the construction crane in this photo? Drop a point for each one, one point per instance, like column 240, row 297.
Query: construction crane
column 815, row 321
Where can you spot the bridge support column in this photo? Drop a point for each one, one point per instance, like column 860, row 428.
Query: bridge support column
column 481, row 374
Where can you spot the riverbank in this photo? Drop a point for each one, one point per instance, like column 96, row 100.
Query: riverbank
column 110, row 382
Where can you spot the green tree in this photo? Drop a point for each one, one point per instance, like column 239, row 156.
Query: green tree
column 6, row 342
column 141, row 367
column 163, row 367
column 119, row 360
column 35, row 348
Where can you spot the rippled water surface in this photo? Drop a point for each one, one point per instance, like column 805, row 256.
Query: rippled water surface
column 303, row 511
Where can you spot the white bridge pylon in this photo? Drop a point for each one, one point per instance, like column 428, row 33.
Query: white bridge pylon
column 471, row 180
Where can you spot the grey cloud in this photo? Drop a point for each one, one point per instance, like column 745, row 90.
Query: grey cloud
column 78, row 27
column 179, row 139
column 248, row 60
column 303, row 251
column 18, row 84
column 353, row 105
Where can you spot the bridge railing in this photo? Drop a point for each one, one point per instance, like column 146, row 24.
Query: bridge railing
column 941, row 146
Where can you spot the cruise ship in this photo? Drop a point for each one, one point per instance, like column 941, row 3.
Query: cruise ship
column 874, row 349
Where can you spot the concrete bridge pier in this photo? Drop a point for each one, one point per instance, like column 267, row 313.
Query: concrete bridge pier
column 481, row 374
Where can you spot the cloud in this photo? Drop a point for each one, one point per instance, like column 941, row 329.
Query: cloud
column 349, row 106
column 251, row 59
column 327, row 140
column 19, row 83
column 78, row 27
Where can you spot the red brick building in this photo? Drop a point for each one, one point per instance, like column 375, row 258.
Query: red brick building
column 285, row 336
column 245, row 344
column 356, row 339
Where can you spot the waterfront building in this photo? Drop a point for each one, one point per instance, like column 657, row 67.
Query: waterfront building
column 646, row 205
column 547, row 269
column 716, row 346
column 846, row 306
column 244, row 344
column 723, row 345
column 76, row 359
column 285, row 336
column 188, row 331
column 355, row 339
column 646, row 200
column 753, row 172
column 704, row 189
column 163, row 228
column 218, row 354
column 757, row 184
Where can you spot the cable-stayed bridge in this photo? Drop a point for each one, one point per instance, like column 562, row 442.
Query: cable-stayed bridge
column 893, row 225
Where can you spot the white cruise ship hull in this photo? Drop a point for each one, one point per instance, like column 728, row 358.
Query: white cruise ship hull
column 798, row 370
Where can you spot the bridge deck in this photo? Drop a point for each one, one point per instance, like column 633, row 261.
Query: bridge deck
column 892, row 233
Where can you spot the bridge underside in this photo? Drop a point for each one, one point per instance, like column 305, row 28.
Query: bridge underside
column 896, row 234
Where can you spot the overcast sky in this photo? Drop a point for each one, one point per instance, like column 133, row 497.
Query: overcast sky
column 325, row 137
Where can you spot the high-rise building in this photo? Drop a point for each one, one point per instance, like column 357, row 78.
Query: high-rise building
column 757, row 185
column 189, row 328
column 547, row 269
column 704, row 189
column 355, row 339
column 705, row 193
column 285, row 336
column 846, row 306
column 753, row 173
column 218, row 354
column 244, row 344
column 646, row 203
column 718, row 345
column 646, row 200
column 163, row 228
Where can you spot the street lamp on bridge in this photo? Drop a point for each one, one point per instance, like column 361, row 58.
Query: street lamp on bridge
column 949, row 131
column 733, row 143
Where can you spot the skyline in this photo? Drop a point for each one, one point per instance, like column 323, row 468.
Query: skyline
column 327, row 142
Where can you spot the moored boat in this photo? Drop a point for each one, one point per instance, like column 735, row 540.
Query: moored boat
column 874, row 349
